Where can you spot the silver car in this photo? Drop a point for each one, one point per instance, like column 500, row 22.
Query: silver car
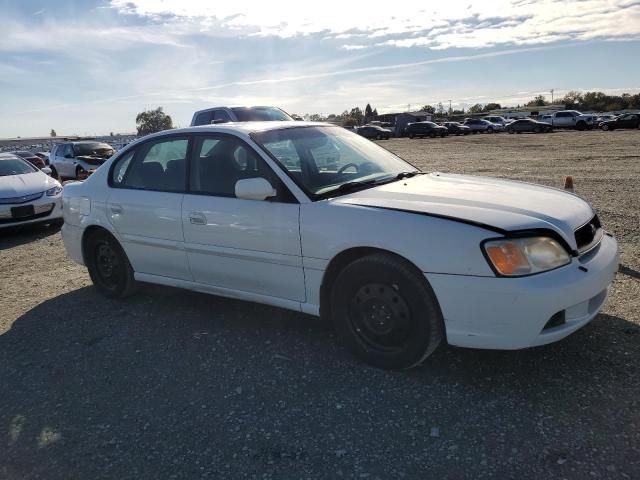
column 77, row 160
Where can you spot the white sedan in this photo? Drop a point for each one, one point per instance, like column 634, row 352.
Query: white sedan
column 398, row 259
column 27, row 195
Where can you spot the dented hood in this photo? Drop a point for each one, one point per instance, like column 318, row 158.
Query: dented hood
column 491, row 202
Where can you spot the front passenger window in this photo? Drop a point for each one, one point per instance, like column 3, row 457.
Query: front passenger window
column 218, row 162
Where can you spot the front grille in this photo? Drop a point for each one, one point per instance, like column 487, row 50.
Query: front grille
column 18, row 200
column 589, row 234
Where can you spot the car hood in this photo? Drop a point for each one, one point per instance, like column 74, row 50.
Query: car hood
column 26, row 184
column 489, row 202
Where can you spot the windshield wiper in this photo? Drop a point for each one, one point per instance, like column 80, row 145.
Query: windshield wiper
column 402, row 175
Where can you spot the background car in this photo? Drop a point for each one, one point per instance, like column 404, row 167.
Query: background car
column 425, row 129
column 30, row 157
column 44, row 156
column 239, row 114
column 479, row 125
column 497, row 119
column 27, row 195
column 373, row 131
column 76, row 160
column 528, row 125
column 627, row 120
column 456, row 128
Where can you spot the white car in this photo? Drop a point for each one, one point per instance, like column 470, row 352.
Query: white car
column 27, row 194
column 398, row 259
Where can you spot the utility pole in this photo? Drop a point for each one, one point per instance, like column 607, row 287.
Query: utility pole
column 450, row 107
column 552, row 96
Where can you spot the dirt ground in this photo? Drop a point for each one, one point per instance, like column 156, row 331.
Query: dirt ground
column 175, row 384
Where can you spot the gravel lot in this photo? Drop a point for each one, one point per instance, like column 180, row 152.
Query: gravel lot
column 174, row 384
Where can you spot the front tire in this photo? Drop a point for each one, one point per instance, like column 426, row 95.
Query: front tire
column 605, row 127
column 385, row 312
column 108, row 266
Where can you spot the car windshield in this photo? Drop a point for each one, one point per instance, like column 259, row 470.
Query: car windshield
column 15, row 166
column 260, row 114
column 94, row 148
column 24, row 154
column 328, row 161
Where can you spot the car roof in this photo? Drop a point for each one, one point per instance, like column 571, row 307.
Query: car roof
column 8, row 156
column 248, row 127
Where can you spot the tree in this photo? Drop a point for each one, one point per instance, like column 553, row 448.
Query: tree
column 357, row 114
column 477, row 108
column 152, row 121
column 572, row 99
column 315, row 117
column 428, row 109
column 539, row 101
column 350, row 122
column 368, row 113
column 440, row 110
column 375, row 113
column 491, row 106
column 53, row 133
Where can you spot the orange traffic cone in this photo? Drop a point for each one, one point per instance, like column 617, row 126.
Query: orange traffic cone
column 568, row 183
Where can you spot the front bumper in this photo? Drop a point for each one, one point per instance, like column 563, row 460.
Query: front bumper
column 45, row 209
column 514, row 313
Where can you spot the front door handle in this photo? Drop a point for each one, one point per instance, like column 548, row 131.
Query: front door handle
column 197, row 218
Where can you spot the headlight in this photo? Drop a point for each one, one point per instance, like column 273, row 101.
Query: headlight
column 53, row 191
column 524, row 256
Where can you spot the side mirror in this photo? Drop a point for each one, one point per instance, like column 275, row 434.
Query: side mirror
column 46, row 170
column 254, row 189
column 68, row 155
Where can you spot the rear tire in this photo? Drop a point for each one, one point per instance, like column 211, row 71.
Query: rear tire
column 385, row 312
column 108, row 265
column 510, row 130
column 605, row 128
column 581, row 126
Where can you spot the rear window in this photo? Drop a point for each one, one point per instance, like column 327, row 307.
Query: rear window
column 260, row 114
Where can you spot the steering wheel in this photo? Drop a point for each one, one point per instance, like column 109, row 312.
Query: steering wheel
column 348, row 165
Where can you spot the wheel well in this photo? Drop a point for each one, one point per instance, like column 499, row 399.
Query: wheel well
column 87, row 233
column 338, row 263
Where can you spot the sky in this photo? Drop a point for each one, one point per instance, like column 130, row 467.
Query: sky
column 87, row 67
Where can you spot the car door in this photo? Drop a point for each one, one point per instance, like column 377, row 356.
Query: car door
column 60, row 161
column 237, row 244
column 145, row 206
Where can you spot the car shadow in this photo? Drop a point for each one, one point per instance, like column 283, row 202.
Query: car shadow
column 98, row 388
column 15, row 236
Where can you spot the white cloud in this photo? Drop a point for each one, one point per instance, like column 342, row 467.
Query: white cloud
column 452, row 24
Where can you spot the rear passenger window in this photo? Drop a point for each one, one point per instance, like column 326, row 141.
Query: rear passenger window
column 159, row 166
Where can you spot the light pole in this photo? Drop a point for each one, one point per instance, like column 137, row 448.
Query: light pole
column 552, row 96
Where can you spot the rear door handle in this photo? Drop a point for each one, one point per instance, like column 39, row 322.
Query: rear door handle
column 116, row 209
column 197, row 218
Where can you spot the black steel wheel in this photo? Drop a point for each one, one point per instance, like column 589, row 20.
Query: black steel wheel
column 108, row 265
column 385, row 312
